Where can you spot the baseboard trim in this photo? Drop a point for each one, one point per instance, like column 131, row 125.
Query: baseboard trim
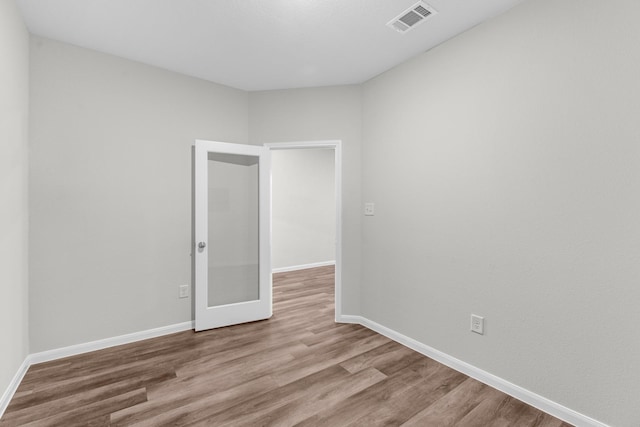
column 505, row 386
column 347, row 318
column 13, row 386
column 303, row 266
column 529, row 397
column 49, row 355
column 73, row 350
column 76, row 349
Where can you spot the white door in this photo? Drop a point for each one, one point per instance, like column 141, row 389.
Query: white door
column 232, row 234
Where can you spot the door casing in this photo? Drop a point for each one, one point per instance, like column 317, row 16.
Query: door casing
column 335, row 145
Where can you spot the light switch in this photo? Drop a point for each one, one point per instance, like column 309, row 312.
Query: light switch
column 183, row 291
column 369, row 209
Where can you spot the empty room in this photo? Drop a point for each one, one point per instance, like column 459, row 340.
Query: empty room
column 297, row 212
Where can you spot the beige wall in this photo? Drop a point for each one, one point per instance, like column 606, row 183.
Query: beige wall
column 505, row 168
column 111, row 190
column 14, row 108
column 321, row 114
column 303, row 207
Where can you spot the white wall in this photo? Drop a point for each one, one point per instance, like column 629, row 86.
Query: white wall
column 321, row 114
column 505, row 168
column 111, row 184
column 303, row 207
column 14, row 109
column 503, row 165
column 111, row 190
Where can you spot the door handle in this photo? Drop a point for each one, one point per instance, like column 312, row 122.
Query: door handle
column 202, row 245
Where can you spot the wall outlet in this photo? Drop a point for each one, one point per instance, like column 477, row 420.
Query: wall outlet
column 369, row 209
column 183, row 291
column 477, row 324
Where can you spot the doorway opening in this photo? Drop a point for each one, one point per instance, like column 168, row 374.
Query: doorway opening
column 306, row 212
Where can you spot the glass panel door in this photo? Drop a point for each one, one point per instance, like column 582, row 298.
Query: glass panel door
column 233, row 280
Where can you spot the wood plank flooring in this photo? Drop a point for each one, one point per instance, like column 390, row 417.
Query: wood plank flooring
column 298, row 368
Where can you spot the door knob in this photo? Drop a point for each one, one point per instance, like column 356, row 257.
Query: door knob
column 202, row 245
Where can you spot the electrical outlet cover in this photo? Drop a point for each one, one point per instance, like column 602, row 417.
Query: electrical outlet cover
column 477, row 324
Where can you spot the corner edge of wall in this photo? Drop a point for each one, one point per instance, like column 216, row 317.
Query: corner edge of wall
column 49, row 355
column 13, row 385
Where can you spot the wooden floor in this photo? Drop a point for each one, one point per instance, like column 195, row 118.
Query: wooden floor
column 298, row 368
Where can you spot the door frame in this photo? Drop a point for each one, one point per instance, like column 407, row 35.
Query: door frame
column 336, row 145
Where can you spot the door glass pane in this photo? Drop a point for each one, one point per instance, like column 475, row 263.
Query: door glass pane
column 233, row 229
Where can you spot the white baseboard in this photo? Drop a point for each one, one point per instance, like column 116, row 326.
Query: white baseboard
column 511, row 389
column 303, row 266
column 13, row 386
column 347, row 318
column 529, row 397
column 73, row 350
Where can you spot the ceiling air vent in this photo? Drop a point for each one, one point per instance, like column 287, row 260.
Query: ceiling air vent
column 411, row 17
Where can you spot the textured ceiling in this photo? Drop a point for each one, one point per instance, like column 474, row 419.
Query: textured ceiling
column 256, row 44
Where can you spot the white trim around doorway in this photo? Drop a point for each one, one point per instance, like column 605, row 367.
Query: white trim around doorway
column 335, row 145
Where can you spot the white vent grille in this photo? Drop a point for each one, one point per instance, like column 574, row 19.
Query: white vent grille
column 412, row 17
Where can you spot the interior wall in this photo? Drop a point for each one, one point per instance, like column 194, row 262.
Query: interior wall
column 111, row 189
column 303, row 207
column 505, row 168
column 14, row 111
column 326, row 113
